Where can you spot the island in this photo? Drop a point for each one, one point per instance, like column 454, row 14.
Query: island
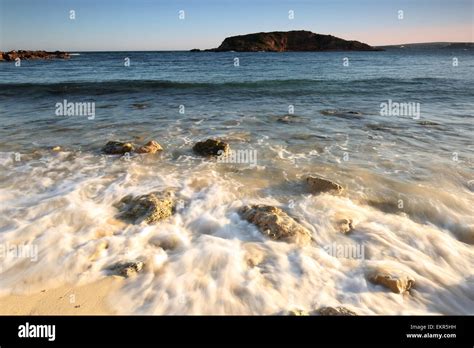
column 288, row 41
column 26, row 55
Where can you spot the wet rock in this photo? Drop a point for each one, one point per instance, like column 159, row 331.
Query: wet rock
column 341, row 113
column 428, row 123
column 345, row 225
column 318, row 185
column 276, row 224
column 289, row 119
column 150, row 147
column 297, row 312
column 211, row 147
column 117, row 148
column 334, row 311
column 395, row 282
column 148, row 208
column 127, row 268
column 140, row 105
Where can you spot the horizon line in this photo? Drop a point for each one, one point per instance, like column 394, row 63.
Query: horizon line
column 187, row 50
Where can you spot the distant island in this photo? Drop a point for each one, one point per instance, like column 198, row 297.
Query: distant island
column 433, row 45
column 26, row 55
column 288, row 41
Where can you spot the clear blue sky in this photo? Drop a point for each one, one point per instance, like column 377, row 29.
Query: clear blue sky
column 154, row 24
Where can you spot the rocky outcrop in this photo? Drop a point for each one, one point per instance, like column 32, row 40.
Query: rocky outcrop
column 27, row 55
column 117, row 148
column 318, row 185
column 150, row 147
column 396, row 282
column 298, row 40
column 148, row 208
column 334, row 311
column 211, row 147
column 126, row 268
column 344, row 225
column 276, row 224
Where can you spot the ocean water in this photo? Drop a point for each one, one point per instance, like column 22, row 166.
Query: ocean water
column 408, row 179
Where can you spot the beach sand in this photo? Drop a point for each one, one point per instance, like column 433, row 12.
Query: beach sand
column 89, row 299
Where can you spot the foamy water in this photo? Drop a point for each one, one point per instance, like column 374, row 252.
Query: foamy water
column 68, row 214
column 409, row 186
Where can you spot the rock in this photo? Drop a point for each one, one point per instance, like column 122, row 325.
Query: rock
column 117, row 148
column 345, row 225
column 334, row 311
column 150, row 147
column 276, row 224
column 148, row 208
column 211, row 147
column 397, row 283
column 296, row 40
column 195, row 50
column 341, row 113
column 127, row 268
column 428, row 123
column 318, row 185
column 26, row 55
column 140, row 105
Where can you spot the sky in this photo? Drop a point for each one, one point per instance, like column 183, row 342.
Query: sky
column 115, row 25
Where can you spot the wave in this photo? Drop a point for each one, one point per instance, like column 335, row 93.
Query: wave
column 90, row 87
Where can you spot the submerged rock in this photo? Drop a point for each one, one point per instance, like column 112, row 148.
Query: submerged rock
column 397, row 283
column 345, row 225
column 318, row 185
column 117, row 148
column 276, row 224
column 127, row 268
column 211, row 147
column 341, row 113
column 428, row 123
column 297, row 312
column 148, row 208
column 150, row 147
column 334, row 311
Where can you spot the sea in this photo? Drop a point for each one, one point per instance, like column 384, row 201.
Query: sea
column 394, row 128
